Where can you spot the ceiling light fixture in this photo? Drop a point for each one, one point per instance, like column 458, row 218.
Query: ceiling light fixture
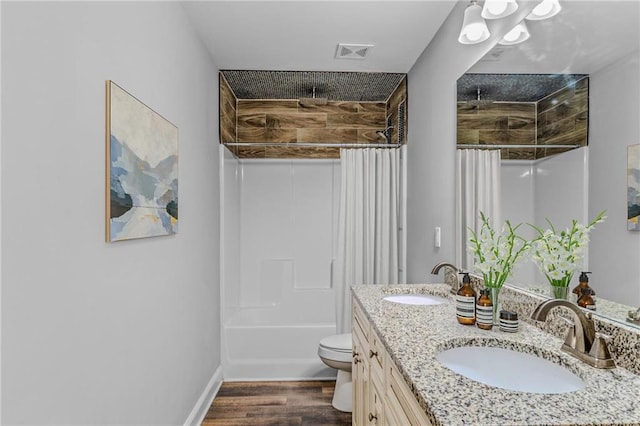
column 518, row 34
column 544, row 10
column 496, row 9
column 474, row 29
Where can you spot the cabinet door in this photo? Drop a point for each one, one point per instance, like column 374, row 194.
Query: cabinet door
column 393, row 411
column 376, row 412
column 377, row 356
column 400, row 396
column 360, row 381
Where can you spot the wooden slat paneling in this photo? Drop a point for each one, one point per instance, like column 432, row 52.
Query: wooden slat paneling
column 357, row 120
column 370, row 136
column 397, row 97
column 330, row 107
column 286, row 121
column 328, row 135
column 264, row 106
column 227, row 112
column 379, row 107
column 296, row 120
column 251, row 120
column 302, row 152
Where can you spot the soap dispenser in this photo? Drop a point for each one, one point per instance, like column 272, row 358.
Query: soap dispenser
column 484, row 310
column 583, row 283
column 585, row 300
column 466, row 302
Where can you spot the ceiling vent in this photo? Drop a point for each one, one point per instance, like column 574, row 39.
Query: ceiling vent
column 495, row 54
column 353, row 51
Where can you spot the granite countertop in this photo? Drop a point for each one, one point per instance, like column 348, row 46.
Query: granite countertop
column 413, row 335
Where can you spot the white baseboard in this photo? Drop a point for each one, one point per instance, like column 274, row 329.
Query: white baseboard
column 204, row 402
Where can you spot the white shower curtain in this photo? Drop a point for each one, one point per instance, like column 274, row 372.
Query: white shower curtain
column 367, row 224
column 477, row 190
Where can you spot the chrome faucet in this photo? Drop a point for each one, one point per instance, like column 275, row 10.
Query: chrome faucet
column 582, row 341
column 440, row 265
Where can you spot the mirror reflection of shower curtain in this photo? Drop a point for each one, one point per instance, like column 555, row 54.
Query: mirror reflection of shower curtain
column 477, row 190
column 367, row 224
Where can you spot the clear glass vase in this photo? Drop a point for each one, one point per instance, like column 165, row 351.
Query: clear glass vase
column 560, row 292
column 495, row 299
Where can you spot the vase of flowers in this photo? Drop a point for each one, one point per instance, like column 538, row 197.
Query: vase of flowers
column 496, row 255
column 559, row 254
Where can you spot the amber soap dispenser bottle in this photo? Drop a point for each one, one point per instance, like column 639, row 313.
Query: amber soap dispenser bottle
column 583, row 284
column 466, row 302
column 484, row 310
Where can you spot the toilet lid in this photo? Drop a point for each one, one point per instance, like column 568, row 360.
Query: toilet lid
column 337, row 342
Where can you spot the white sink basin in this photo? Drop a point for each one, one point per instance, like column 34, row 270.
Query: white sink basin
column 415, row 299
column 511, row 370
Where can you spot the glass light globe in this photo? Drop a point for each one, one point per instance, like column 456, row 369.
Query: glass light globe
column 543, row 8
column 497, row 7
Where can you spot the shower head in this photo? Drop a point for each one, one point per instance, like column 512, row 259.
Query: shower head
column 385, row 134
column 312, row 100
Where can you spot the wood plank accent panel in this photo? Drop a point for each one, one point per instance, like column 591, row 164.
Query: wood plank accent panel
column 286, row 121
column 358, row 120
column 227, row 112
column 301, row 152
column 331, row 107
column 498, row 123
column 397, row 97
column 296, row 120
column 246, row 106
column 328, row 135
column 563, row 117
column 275, row 403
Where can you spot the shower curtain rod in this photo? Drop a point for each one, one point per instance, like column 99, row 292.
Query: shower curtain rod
column 315, row 145
column 498, row 146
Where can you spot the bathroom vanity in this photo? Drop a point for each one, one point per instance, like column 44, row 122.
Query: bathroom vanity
column 398, row 379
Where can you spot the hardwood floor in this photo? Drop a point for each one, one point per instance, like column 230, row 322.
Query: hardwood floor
column 275, row 403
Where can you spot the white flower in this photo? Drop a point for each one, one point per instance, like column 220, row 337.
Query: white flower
column 496, row 253
column 559, row 255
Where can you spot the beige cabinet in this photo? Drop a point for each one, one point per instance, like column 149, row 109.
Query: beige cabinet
column 380, row 394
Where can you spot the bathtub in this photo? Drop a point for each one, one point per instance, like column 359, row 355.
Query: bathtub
column 261, row 343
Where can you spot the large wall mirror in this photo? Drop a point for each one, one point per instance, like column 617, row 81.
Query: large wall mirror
column 585, row 59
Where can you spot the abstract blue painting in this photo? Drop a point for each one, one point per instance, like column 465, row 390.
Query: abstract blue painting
column 142, row 169
column 633, row 187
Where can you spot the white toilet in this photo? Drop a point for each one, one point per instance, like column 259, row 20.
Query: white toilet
column 335, row 351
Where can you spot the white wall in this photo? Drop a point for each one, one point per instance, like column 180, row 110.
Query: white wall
column 614, row 103
column 531, row 193
column 517, row 182
column 432, row 137
column 97, row 333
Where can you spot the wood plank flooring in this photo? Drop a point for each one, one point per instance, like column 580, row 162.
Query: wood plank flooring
column 306, row 403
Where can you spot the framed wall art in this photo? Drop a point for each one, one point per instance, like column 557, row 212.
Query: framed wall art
column 633, row 187
column 142, row 169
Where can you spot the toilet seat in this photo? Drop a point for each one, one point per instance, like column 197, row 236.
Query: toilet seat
column 337, row 348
